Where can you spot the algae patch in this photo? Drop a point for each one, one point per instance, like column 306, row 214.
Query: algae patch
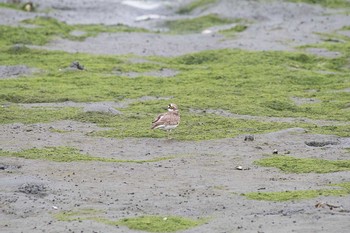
column 231, row 32
column 149, row 223
column 236, row 81
column 202, row 127
column 46, row 28
column 13, row 6
column 13, row 114
column 327, row 3
column 82, row 214
column 304, row 165
column 159, row 223
column 56, row 154
column 195, row 5
column 300, row 194
column 69, row 154
column 196, row 24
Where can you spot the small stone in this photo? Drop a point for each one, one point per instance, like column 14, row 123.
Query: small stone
column 275, row 152
column 321, row 143
column 207, row 31
column 249, row 138
column 77, row 65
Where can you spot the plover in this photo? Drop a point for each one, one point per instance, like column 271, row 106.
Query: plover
column 167, row 121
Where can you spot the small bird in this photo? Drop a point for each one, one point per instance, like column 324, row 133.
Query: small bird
column 167, row 121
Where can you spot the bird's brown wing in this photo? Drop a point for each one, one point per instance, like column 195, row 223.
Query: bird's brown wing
column 157, row 118
column 168, row 118
column 157, row 121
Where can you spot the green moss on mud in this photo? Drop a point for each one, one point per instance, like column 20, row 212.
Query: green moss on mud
column 327, row 3
column 148, row 223
column 78, row 215
column 193, row 127
column 195, row 5
column 300, row 194
column 304, row 165
column 11, row 6
column 231, row 32
column 43, row 29
column 160, row 223
column 13, row 114
column 344, row 185
column 69, row 154
column 234, row 81
column 196, row 24
column 247, row 83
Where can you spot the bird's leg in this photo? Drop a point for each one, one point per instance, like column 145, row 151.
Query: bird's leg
column 169, row 134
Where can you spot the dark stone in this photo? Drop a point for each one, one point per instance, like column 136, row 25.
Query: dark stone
column 77, row 65
column 33, row 189
column 321, row 143
column 249, row 138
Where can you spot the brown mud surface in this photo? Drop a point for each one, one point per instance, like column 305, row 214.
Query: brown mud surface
column 200, row 179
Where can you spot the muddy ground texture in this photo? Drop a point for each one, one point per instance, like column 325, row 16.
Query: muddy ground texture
column 201, row 180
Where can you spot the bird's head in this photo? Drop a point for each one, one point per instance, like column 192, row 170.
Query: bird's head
column 172, row 107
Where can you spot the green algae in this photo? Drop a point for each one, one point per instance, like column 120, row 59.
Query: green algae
column 77, row 215
column 13, row 114
column 304, row 165
column 231, row 32
column 195, row 5
column 198, row 24
column 327, row 3
column 148, row 223
column 235, row 81
column 300, row 194
column 160, row 223
column 40, row 30
column 11, row 6
column 69, row 154
column 245, row 83
column 192, row 127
